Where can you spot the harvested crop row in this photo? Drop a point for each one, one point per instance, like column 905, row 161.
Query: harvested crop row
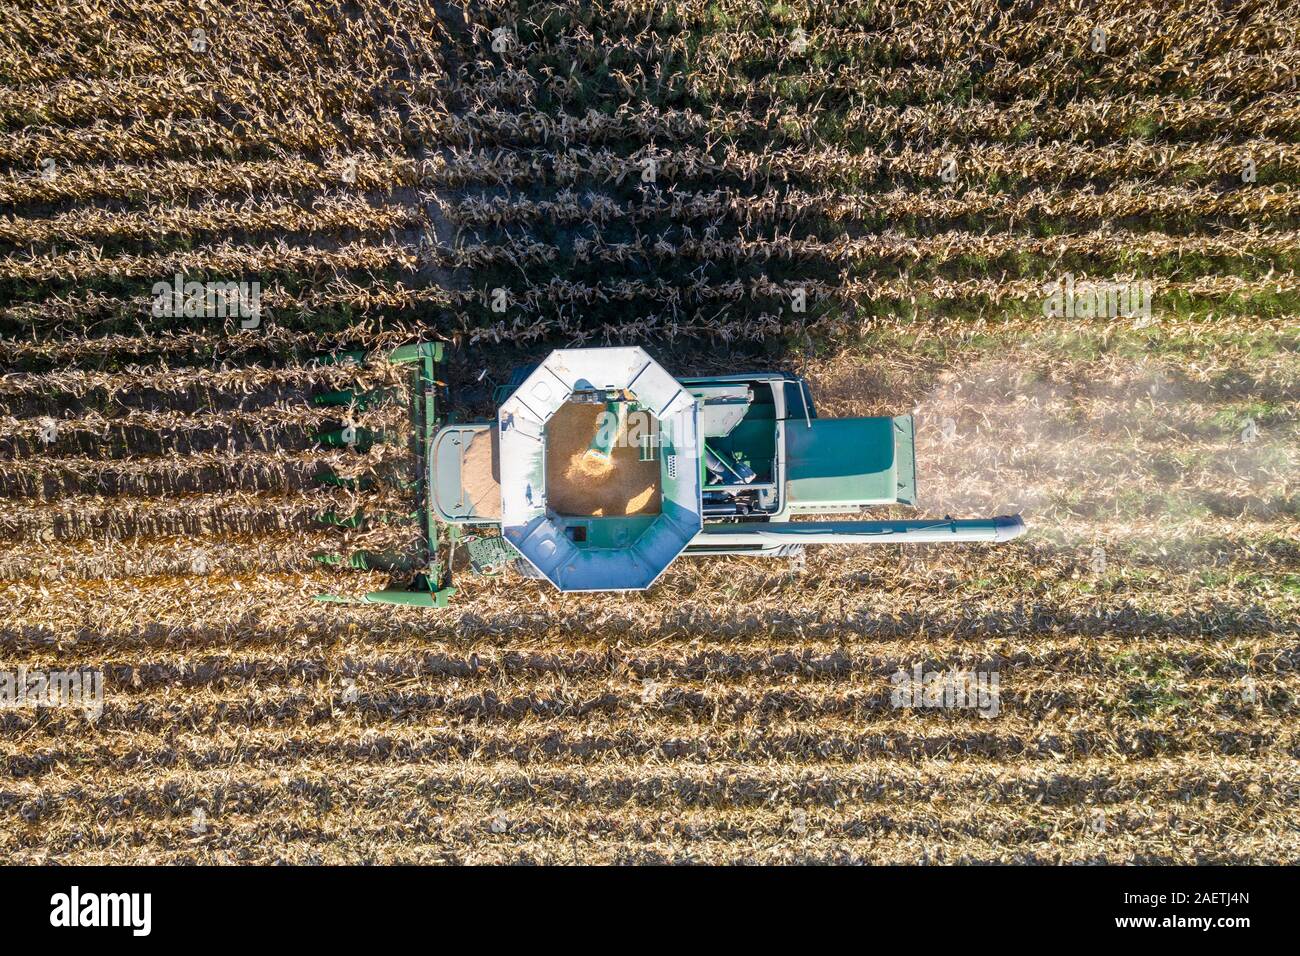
column 92, row 560
column 226, row 513
column 278, row 471
column 352, row 739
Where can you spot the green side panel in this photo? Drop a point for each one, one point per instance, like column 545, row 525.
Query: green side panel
column 362, row 438
column 841, row 462
column 355, row 520
column 905, row 458
column 365, row 560
column 345, row 397
column 437, row 598
column 342, row 397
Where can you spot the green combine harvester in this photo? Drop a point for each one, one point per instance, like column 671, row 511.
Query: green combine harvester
column 600, row 468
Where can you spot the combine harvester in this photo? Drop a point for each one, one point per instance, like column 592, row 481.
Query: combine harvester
column 601, row 468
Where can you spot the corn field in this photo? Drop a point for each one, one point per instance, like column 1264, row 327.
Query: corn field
column 880, row 197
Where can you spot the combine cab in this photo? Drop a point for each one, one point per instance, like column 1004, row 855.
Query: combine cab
column 601, row 468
